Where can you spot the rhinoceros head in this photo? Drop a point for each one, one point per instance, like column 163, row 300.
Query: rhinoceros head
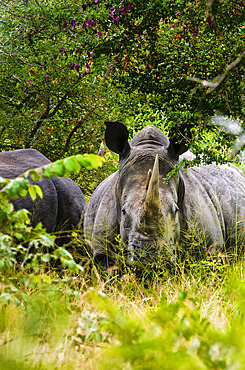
column 148, row 210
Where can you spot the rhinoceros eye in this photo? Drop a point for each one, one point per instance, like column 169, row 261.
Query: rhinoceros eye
column 126, row 219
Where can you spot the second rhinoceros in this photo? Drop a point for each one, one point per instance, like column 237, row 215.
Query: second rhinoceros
column 149, row 214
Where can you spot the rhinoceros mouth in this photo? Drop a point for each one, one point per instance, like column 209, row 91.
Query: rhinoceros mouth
column 147, row 252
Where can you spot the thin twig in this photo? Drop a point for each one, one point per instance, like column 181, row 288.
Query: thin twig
column 219, row 79
column 94, row 106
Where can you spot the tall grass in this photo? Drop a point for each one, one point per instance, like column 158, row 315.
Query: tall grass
column 189, row 317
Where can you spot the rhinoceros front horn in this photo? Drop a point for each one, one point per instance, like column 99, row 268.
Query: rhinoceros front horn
column 152, row 205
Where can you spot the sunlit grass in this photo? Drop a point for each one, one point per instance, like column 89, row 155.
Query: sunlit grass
column 180, row 316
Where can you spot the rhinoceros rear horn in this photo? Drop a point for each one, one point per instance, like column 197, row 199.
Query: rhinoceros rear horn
column 152, row 205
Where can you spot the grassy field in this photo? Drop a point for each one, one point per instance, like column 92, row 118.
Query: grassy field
column 191, row 317
column 185, row 315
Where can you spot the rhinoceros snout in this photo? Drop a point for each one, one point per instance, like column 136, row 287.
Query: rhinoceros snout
column 137, row 250
column 145, row 251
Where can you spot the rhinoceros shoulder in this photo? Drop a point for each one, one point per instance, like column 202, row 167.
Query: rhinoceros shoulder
column 103, row 195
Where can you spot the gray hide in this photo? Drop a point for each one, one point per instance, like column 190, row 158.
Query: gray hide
column 149, row 215
column 63, row 203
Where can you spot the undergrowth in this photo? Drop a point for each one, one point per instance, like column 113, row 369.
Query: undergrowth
column 59, row 312
column 188, row 318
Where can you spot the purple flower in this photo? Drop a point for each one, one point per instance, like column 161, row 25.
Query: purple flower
column 84, row 26
column 29, row 82
column 78, row 51
column 46, row 77
column 87, row 66
column 73, row 23
column 111, row 8
column 90, row 22
column 99, row 34
column 72, row 66
column 126, row 11
column 121, row 11
column 118, row 19
column 26, row 90
column 65, row 24
column 77, row 67
column 62, row 49
column 55, row 56
column 210, row 22
column 84, row 7
column 195, row 32
column 148, row 67
column 129, row 6
column 96, row 1
column 88, row 53
column 60, row 27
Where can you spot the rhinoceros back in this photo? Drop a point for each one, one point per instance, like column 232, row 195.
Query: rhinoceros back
column 63, row 202
column 215, row 198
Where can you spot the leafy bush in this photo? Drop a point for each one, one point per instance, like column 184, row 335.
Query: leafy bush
column 24, row 249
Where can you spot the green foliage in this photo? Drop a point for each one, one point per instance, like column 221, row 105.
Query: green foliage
column 38, row 324
column 23, row 248
column 186, row 321
column 67, row 67
column 175, row 335
column 53, row 80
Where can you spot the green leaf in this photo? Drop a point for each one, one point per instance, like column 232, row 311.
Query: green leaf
column 182, row 295
column 46, row 278
column 3, row 181
column 90, row 161
column 58, row 168
column 163, row 300
column 48, row 173
column 6, row 206
column 23, row 192
column 46, row 257
column 2, row 264
column 71, row 164
column 72, row 266
column 36, row 174
column 46, row 239
column 38, row 191
column 32, row 192
column 62, row 252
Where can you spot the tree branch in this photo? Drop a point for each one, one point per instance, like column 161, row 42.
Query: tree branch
column 217, row 81
column 46, row 114
column 209, row 5
column 79, row 124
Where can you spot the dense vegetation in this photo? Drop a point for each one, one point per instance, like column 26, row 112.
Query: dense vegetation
column 66, row 67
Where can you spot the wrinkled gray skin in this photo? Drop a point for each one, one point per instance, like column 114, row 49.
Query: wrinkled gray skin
column 63, row 203
column 150, row 216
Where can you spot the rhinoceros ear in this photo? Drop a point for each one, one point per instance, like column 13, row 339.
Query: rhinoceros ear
column 175, row 149
column 179, row 141
column 116, row 138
